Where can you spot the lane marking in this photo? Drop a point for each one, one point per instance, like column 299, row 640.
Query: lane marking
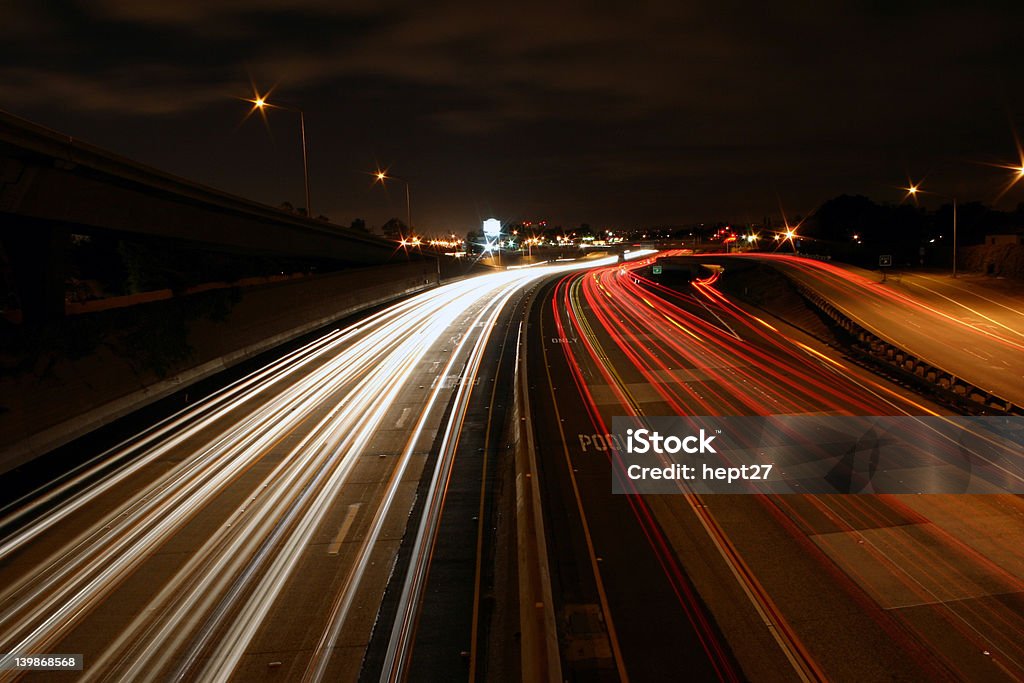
column 602, row 595
column 969, row 291
column 805, row 667
column 976, row 355
column 481, row 510
column 350, row 517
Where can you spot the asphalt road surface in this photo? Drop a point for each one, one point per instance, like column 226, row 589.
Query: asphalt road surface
column 725, row 587
column 332, row 515
column 965, row 330
column 252, row 536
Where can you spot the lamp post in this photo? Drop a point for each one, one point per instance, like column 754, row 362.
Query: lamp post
column 262, row 104
column 1018, row 174
column 954, row 237
column 914, row 189
column 381, row 176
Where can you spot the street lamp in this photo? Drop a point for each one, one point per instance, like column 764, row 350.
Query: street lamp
column 260, row 102
column 1018, row 174
column 381, row 176
column 913, row 190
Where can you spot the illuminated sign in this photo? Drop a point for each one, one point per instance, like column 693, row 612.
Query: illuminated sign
column 492, row 227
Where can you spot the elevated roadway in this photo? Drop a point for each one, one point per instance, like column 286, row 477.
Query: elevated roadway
column 52, row 185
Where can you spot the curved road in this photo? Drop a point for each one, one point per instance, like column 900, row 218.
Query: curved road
column 795, row 587
column 252, row 535
column 255, row 535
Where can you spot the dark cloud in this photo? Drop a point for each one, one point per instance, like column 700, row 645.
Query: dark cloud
column 606, row 112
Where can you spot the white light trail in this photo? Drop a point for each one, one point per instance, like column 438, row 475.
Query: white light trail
column 333, row 394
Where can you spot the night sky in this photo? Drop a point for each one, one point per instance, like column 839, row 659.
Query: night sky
column 620, row 113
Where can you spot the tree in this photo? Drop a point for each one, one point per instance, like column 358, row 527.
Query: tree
column 474, row 240
column 395, row 229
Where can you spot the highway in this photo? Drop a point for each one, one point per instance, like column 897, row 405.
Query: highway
column 334, row 515
column 252, row 535
column 734, row 587
column 931, row 318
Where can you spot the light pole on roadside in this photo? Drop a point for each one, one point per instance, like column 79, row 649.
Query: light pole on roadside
column 914, row 189
column 382, row 177
column 261, row 103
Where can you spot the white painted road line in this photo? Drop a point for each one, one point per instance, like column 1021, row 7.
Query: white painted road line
column 350, row 517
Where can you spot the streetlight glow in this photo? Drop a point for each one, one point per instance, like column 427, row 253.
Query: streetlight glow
column 912, row 192
column 382, row 175
column 259, row 102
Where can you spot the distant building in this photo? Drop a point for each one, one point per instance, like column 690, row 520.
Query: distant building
column 1005, row 238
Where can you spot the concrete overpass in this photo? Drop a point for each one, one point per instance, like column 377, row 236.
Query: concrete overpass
column 52, row 185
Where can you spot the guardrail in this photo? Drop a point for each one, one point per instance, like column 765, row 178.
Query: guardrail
column 540, row 658
column 945, row 386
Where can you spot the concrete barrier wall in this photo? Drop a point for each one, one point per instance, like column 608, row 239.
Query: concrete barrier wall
column 1003, row 260
column 62, row 398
